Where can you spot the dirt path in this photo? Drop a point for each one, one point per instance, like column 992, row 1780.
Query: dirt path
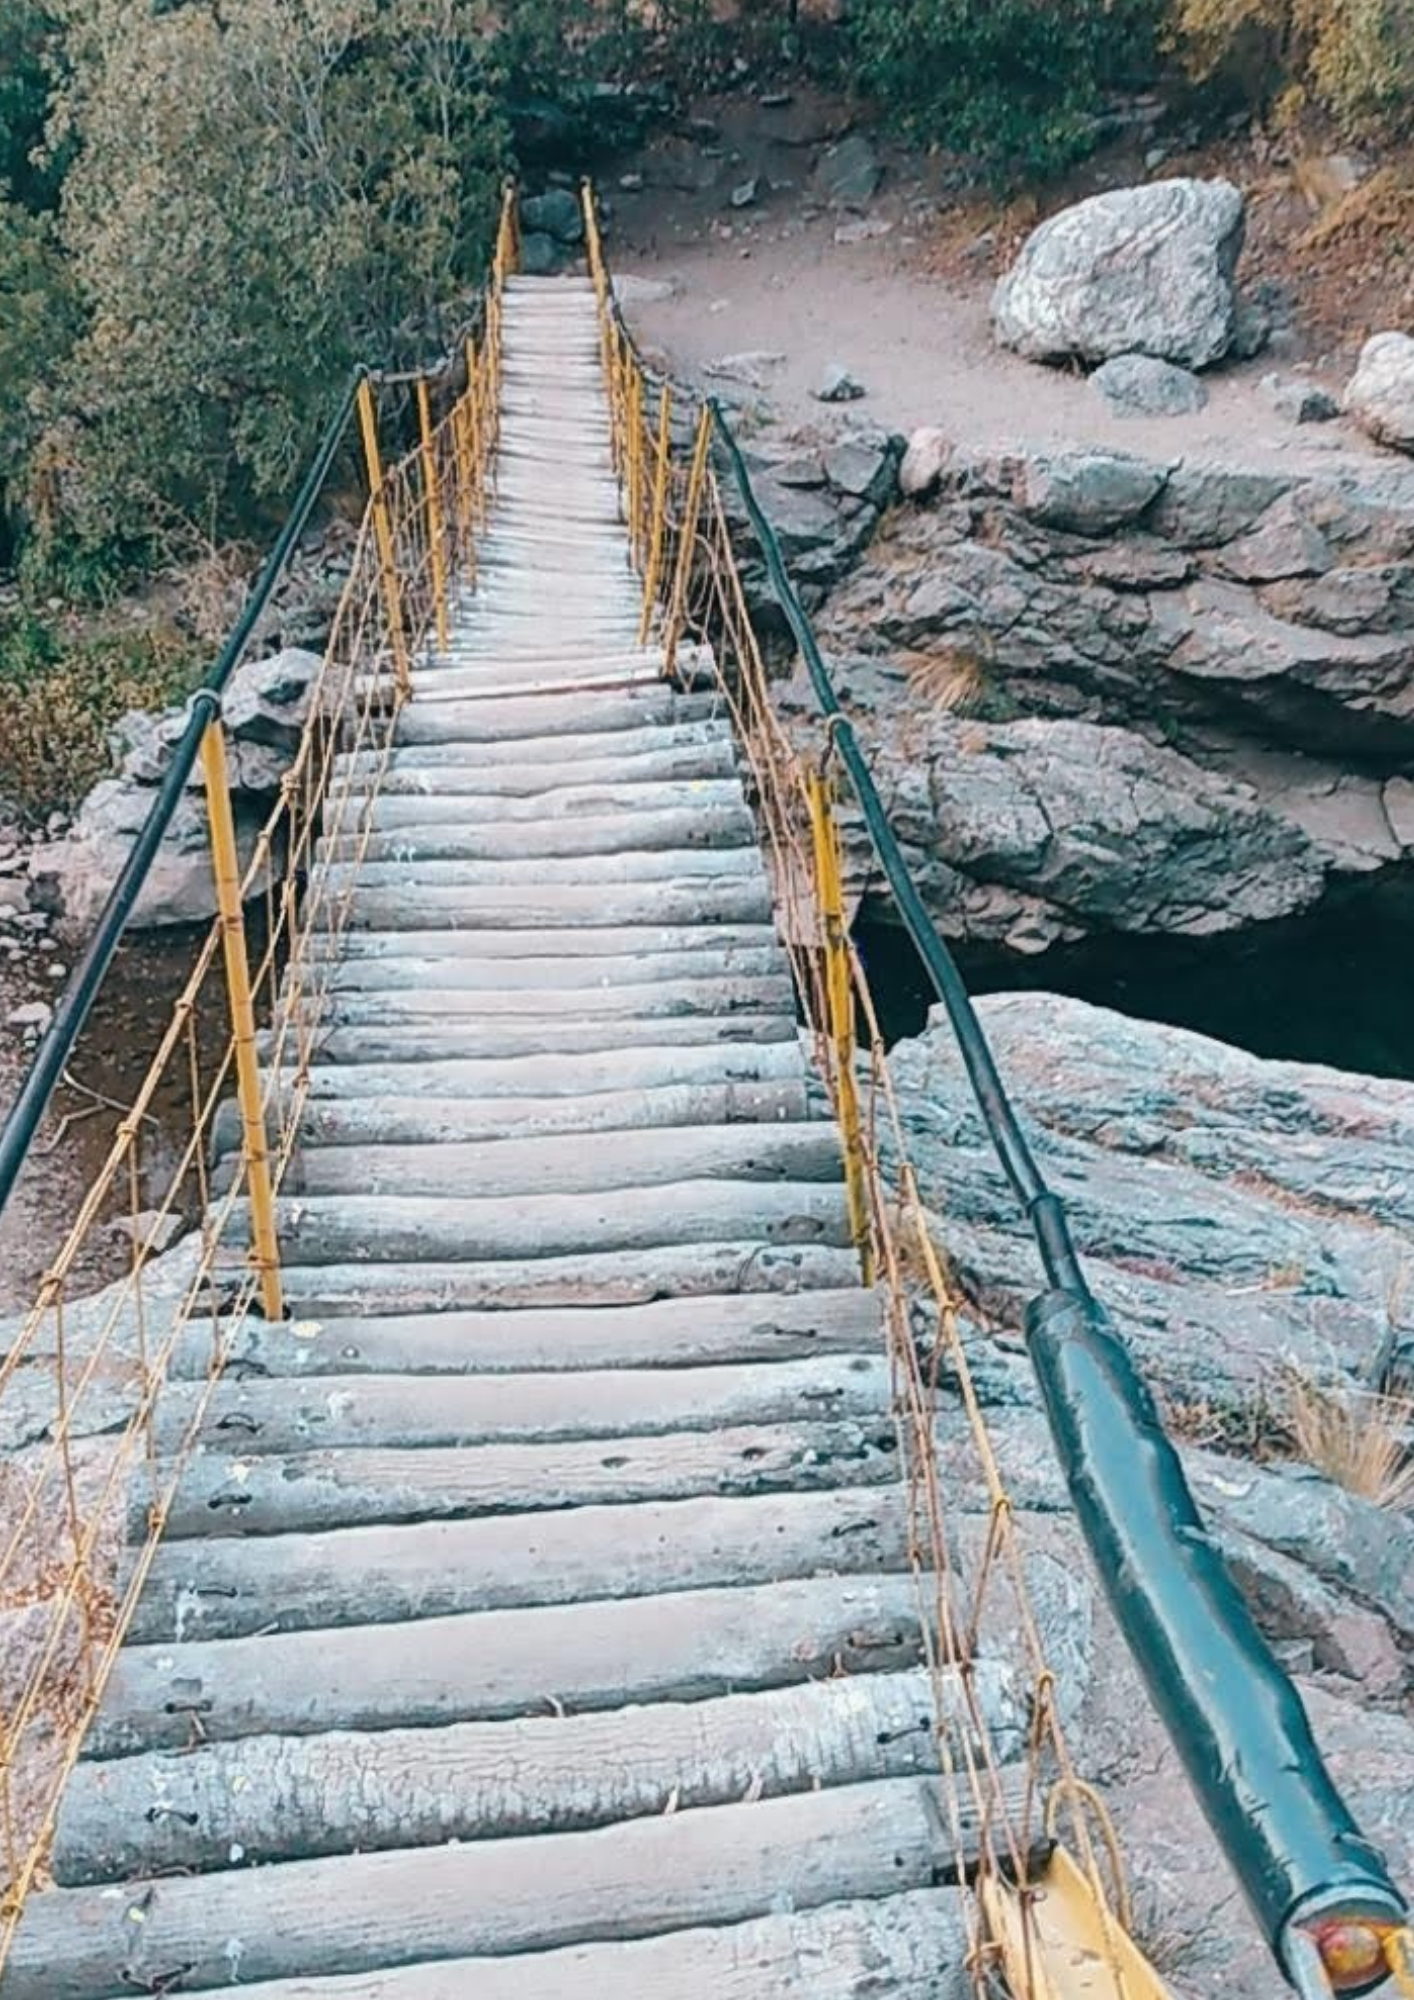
column 773, row 279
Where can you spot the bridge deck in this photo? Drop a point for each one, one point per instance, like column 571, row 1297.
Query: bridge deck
column 536, row 1622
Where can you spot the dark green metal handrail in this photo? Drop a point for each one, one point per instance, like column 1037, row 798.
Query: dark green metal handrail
column 1234, row 1716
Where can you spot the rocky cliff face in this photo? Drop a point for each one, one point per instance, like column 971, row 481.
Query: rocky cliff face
column 1105, row 694
column 1250, row 1225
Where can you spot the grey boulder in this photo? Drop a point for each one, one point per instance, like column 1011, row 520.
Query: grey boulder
column 556, row 213
column 1141, row 270
column 849, row 173
column 1137, row 385
column 1381, row 393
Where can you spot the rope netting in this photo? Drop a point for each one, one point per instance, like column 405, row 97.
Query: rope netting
column 94, row 1448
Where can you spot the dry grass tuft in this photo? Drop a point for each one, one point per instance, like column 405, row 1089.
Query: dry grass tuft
column 954, row 678
column 1357, row 1439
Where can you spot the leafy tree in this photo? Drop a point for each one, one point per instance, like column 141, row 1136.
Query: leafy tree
column 262, row 192
column 29, row 47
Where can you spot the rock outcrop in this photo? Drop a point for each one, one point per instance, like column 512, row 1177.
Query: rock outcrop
column 264, row 708
column 1138, row 270
column 1108, row 694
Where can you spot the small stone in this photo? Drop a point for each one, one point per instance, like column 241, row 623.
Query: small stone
column 929, row 451
column 837, row 385
column 1300, row 402
column 849, row 173
column 57, row 971
column 1155, row 157
column 1136, row 385
column 744, row 194
column 631, row 183
column 861, row 228
column 776, row 100
column 150, row 1230
column 632, row 290
column 1251, row 329
column 33, row 1014
column 754, row 367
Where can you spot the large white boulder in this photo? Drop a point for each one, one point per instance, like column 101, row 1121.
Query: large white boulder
column 1141, row 270
column 1381, row 393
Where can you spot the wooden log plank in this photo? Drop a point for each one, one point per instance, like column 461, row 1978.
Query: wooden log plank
column 712, row 828
column 649, row 999
column 571, row 803
column 496, row 980
column 390, row 906
column 553, row 1165
column 391, row 1228
column 226, row 1589
column 290, row 1798
column 648, row 943
column 907, row 1947
column 554, row 1075
column 470, row 1038
column 678, row 1646
column 604, row 1278
column 392, row 1119
column 669, row 1333
column 711, row 1866
column 561, row 728
column 454, row 773
column 306, row 1492
column 252, row 1416
column 708, row 868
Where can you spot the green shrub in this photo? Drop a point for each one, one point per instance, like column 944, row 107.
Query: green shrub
column 1351, row 58
column 59, row 699
column 1017, row 81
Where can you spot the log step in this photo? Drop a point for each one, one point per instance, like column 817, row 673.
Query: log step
column 898, row 1949
column 627, row 1160
column 307, row 1492
column 254, row 1417
column 573, row 1005
column 463, row 1036
column 668, row 1333
column 392, row 1119
column 269, row 1799
column 484, row 1665
column 353, row 1576
column 602, row 1278
column 649, row 945
column 624, row 834
column 713, row 1866
column 552, row 1075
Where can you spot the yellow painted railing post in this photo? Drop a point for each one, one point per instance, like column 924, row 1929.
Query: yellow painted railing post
column 432, row 495
column 634, row 426
column 829, row 885
column 225, row 861
column 659, row 525
column 687, row 542
column 383, row 532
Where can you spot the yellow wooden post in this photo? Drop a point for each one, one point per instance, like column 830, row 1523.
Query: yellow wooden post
column 432, row 496
column 225, row 861
column 383, row 533
column 635, row 461
column 687, row 541
column 659, row 524
column 829, row 887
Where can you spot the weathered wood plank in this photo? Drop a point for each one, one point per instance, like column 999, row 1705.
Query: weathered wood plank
column 389, row 1228
column 402, row 1120
column 677, row 1646
column 452, row 771
column 500, row 983
column 710, row 827
column 504, row 906
column 908, row 1947
column 711, row 1866
column 221, row 1589
column 669, row 1333
column 470, row 1038
column 571, row 805
column 707, row 868
column 250, row 1415
column 645, row 942
column 306, row 1492
column 642, row 1158
column 562, row 1075
column 290, row 1798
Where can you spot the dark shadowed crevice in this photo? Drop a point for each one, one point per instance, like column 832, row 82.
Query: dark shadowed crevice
column 1334, row 987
